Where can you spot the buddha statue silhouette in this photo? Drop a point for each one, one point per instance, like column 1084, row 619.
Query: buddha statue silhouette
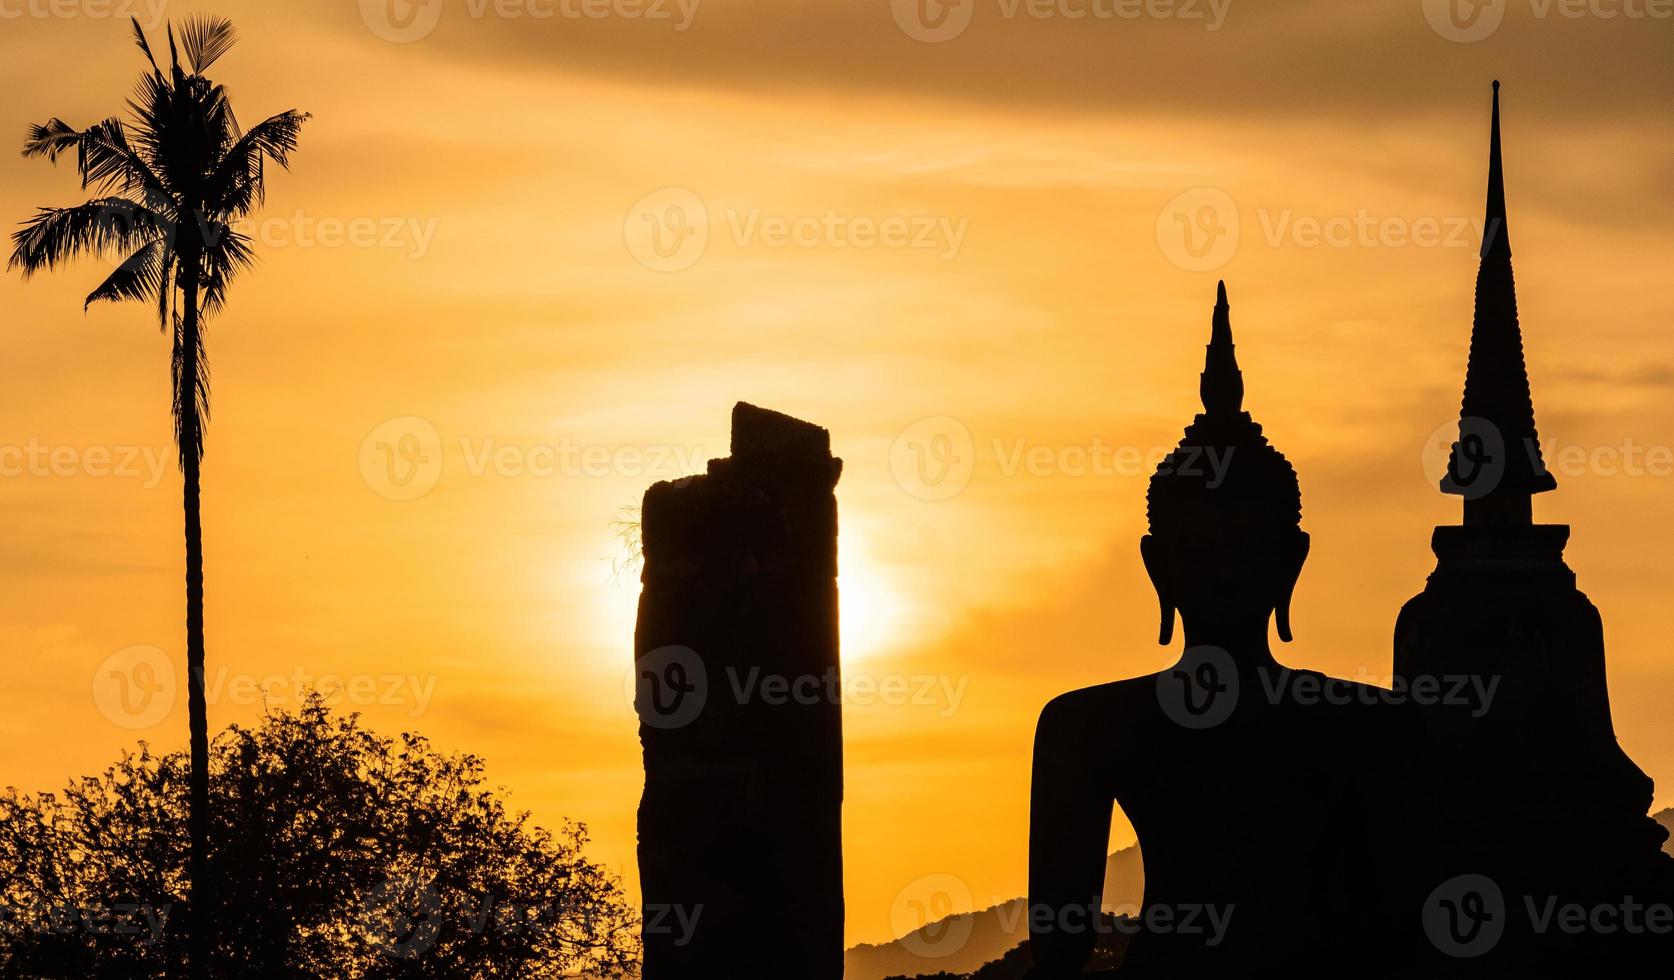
column 1263, row 797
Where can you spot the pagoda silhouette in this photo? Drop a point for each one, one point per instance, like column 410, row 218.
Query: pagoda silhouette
column 1532, row 805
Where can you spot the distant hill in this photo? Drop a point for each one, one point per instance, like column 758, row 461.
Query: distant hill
column 1107, row 955
column 994, row 933
column 993, row 950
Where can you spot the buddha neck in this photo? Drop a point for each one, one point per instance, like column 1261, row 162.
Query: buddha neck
column 1245, row 638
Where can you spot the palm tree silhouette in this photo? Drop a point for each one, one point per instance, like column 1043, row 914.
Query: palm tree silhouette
column 174, row 181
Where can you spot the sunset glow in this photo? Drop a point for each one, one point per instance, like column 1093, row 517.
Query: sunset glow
column 480, row 327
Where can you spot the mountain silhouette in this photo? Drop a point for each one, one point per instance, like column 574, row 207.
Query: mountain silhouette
column 1106, row 958
column 995, row 933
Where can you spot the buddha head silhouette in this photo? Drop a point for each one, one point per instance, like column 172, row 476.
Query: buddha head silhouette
column 1225, row 546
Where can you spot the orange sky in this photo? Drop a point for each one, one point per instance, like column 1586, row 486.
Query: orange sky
column 984, row 231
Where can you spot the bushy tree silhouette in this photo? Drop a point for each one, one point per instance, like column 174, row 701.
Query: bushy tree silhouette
column 341, row 854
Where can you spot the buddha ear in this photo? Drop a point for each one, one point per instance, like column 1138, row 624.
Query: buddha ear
column 1292, row 572
column 1157, row 567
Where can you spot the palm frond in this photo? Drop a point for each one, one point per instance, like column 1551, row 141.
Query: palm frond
column 103, row 157
column 50, row 139
column 170, row 264
column 277, row 135
column 106, row 161
column 139, row 39
column 205, row 39
column 106, row 226
column 142, row 276
column 220, row 127
column 174, row 56
column 150, row 108
column 237, row 184
column 227, row 254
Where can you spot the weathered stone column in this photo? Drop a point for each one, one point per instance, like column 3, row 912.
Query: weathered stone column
column 740, row 827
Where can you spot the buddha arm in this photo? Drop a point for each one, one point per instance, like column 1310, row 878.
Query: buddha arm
column 1069, row 832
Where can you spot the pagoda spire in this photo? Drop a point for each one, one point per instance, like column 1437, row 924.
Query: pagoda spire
column 1221, row 386
column 1496, row 465
column 1496, row 237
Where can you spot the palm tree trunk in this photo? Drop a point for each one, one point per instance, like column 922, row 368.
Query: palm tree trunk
column 203, row 891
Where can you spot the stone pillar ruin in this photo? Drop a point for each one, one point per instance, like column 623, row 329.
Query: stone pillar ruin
column 736, row 665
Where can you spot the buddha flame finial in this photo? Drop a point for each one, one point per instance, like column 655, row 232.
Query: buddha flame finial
column 1221, row 385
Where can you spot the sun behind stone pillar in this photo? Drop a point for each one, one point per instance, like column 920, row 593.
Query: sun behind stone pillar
column 740, row 827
